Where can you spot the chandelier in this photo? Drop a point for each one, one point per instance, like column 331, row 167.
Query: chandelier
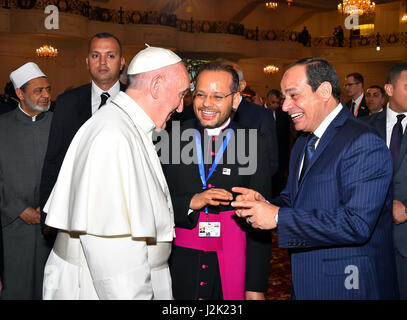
column 272, row 5
column 404, row 18
column 361, row 7
column 271, row 69
column 47, row 51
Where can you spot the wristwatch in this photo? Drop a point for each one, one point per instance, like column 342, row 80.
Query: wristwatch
column 276, row 216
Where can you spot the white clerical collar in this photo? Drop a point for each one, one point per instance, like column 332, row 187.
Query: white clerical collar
column 135, row 112
column 326, row 122
column 33, row 118
column 217, row 131
column 97, row 92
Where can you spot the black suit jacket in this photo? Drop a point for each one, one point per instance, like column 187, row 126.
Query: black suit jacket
column 363, row 110
column 184, row 181
column 1, row 251
column 72, row 109
column 283, row 130
column 257, row 117
column 8, row 106
column 378, row 121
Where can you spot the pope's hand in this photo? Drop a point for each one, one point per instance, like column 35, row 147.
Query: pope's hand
column 210, row 197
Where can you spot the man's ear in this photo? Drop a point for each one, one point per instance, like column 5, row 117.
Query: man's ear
column 122, row 63
column 87, row 62
column 242, row 85
column 388, row 87
column 324, row 91
column 20, row 94
column 155, row 86
column 236, row 101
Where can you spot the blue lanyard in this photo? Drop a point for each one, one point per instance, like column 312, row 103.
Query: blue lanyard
column 219, row 155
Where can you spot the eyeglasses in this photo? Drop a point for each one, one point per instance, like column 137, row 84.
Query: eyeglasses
column 217, row 98
column 350, row 84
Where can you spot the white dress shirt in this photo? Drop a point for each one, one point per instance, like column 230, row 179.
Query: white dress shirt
column 322, row 128
column 391, row 120
column 357, row 103
column 97, row 92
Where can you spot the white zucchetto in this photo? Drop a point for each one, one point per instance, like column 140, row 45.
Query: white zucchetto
column 152, row 58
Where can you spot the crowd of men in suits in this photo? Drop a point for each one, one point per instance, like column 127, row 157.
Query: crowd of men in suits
column 338, row 193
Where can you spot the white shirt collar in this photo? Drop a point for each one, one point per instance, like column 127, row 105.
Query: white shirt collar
column 391, row 115
column 33, row 118
column 96, row 93
column 359, row 99
column 217, row 131
column 326, row 122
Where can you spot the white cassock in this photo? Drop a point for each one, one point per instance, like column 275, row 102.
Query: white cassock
column 112, row 206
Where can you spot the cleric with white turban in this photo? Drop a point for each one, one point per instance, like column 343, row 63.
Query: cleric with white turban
column 23, row 142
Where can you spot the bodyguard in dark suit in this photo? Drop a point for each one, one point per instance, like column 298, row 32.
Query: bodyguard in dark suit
column 74, row 107
column 335, row 212
column 391, row 126
column 232, row 264
column 354, row 88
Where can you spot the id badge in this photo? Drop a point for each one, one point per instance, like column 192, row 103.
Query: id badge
column 209, row 229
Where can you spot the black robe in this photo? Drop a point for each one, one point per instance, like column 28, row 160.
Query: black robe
column 23, row 143
column 186, row 265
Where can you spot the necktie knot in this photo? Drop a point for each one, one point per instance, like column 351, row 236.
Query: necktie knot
column 312, row 139
column 400, row 117
column 309, row 151
column 103, row 98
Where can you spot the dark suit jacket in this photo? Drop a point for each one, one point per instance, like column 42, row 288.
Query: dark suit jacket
column 5, row 107
column 257, row 117
column 184, row 181
column 1, row 251
column 282, row 124
column 378, row 121
column 363, row 110
column 72, row 109
column 337, row 222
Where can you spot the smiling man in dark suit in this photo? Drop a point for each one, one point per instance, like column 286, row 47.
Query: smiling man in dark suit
column 74, row 107
column 335, row 212
column 391, row 126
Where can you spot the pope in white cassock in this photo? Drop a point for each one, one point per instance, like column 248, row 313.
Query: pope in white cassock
column 111, row 202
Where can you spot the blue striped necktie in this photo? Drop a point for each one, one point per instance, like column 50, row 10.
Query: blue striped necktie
column 309, row 151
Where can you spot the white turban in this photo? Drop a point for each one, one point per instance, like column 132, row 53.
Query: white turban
column 25, row 73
